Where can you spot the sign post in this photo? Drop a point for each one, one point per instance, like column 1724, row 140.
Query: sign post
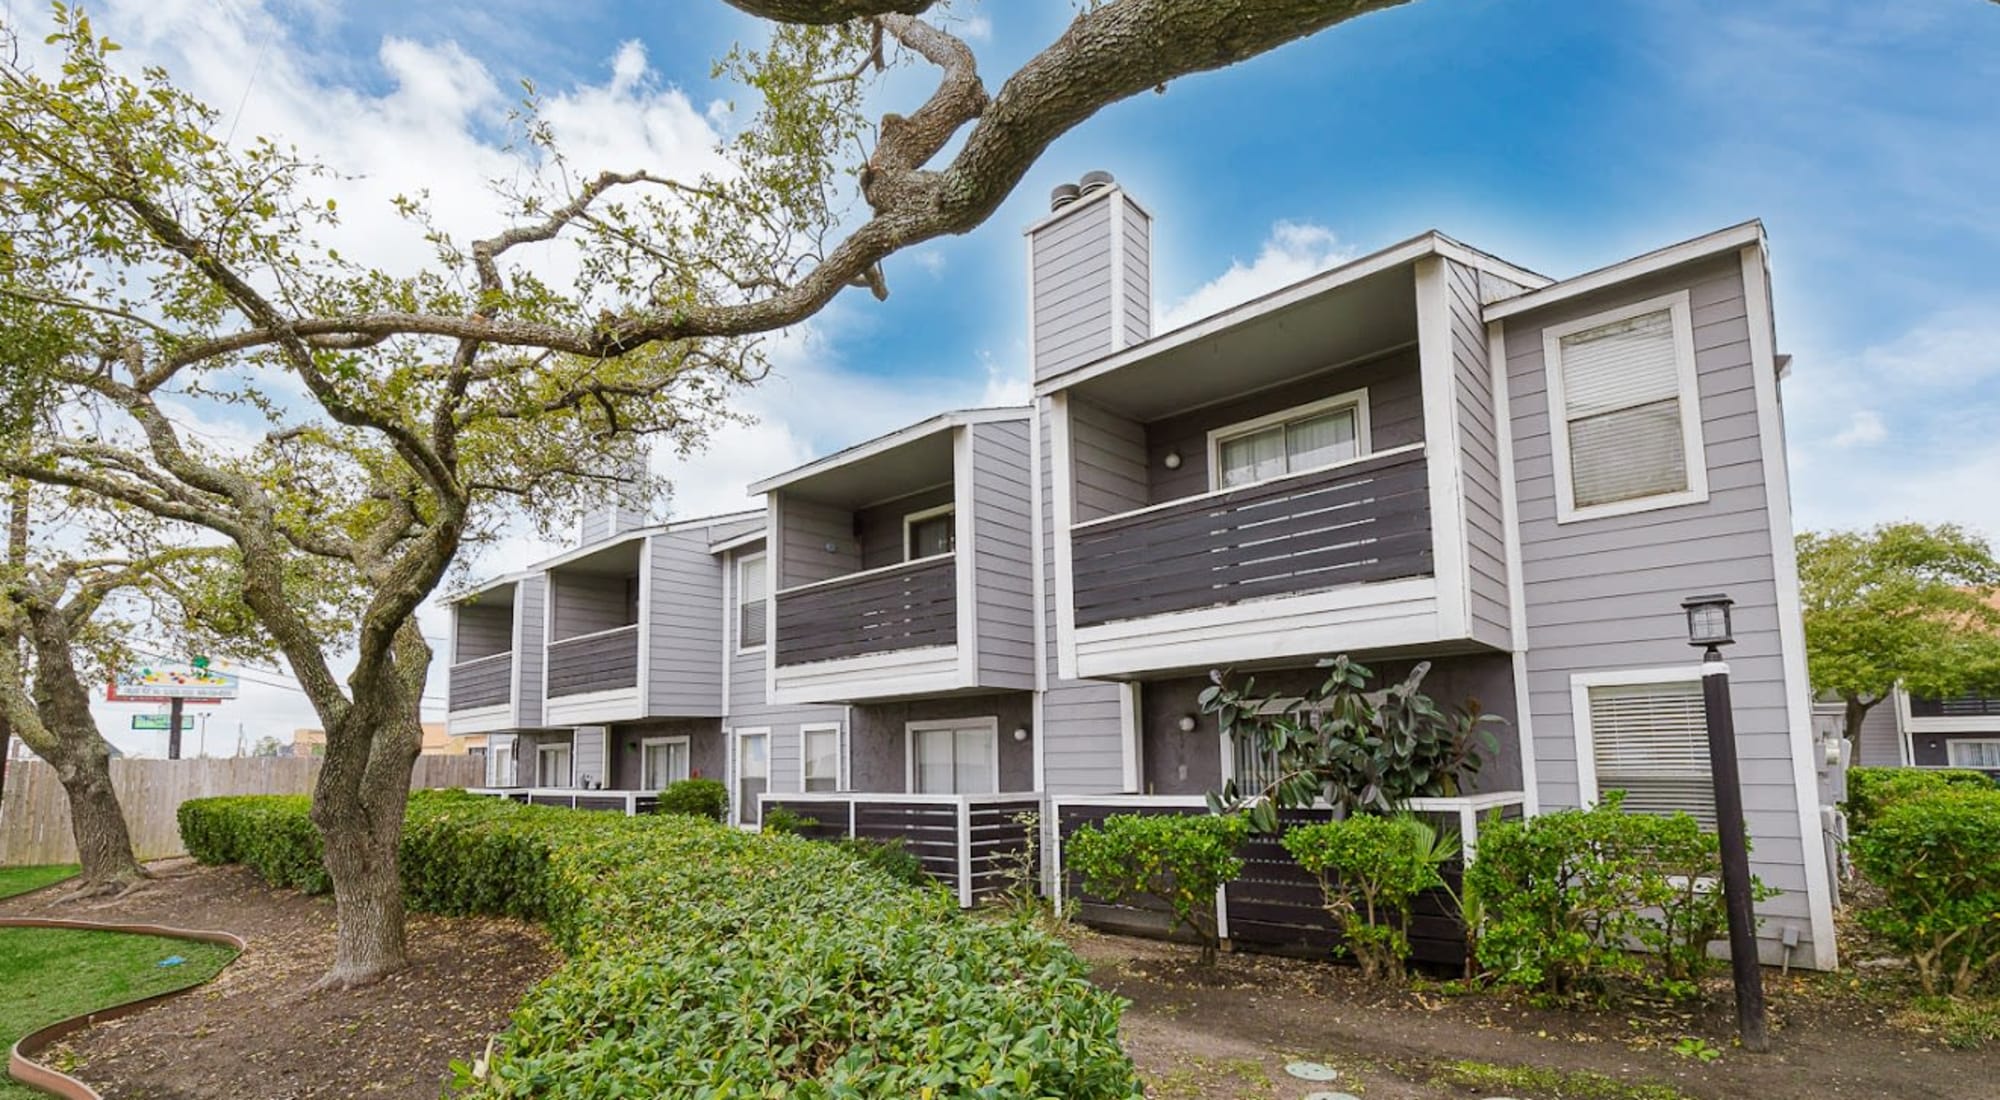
column 176, row 686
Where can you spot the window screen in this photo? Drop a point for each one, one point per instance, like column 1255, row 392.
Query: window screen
column 751, row 591
column 1622, row 411
column 1651, row 741
column 933, row 535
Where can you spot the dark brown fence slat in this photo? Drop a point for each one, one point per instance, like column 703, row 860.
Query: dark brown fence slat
column 904, row 608
column 485, row 682
column 596, row 662
column 1357, row 523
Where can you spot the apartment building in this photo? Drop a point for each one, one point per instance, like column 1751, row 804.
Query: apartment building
column 1424, row 454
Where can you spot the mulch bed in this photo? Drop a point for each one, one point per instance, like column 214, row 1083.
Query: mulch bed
column 257, row 1032
column 1229, row 1034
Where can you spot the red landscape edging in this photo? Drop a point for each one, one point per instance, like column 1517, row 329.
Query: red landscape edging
column 23, row 1068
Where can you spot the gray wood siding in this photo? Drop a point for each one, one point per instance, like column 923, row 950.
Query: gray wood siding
column 748, row 706
column 1071, row 290
column 1137, row 293
column 807, row 529
column 720, row 533
column 1003, row 549
column 481, row 630
column 531, row 601
column 1395, row 418
column 1080, row 730
column 1604, row 594
column 585, row 603
column 594, row 662
column 1881, row 742
column 485, row 682
column 1479, row 460
column 882, row 525
column 586, row 756
column 685, row 640
column 1107, row 460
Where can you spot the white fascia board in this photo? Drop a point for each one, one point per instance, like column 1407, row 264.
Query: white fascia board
column 504, row 580
column 1493, row 265
column 899, row 437
column 1719, row 243
column 739, row 542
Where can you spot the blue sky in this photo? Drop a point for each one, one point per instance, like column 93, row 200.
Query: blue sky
column 1561, row 135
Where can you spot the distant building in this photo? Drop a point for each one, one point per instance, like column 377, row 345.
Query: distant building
column 437, row 742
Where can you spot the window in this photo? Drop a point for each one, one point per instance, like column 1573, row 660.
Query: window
column 751, row 590
column 753, row 772
column 929, row 533
column 500, row 768
column 552, row 765
column 961, row 756
column 1981, row 754
column 1290, row 442
column 821, row 753
column 662, row 761
column 1626, row 411
column 1645, row 733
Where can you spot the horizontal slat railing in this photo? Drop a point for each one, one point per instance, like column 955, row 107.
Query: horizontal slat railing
column 1360, row 521
column 969, row 842
column 604, row 661
column 1959, row 706
column 482, row 682
column 880, row 611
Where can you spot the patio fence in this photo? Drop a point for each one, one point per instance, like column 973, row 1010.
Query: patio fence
column 34, row 817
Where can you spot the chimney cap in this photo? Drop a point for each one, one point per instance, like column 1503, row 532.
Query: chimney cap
column 1062, row 194
column 1095, row 180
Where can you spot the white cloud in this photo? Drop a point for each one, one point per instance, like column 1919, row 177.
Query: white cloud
column 1293, row 251
column 1865, row 428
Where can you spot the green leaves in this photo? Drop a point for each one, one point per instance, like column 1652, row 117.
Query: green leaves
column 1900, row 603
column 1935, row 853
column 1370, row 869
column 1179, row 860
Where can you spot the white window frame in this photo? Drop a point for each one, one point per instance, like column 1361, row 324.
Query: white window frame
column 991, row 723
column 502, row 766
column 1951, row 751
column 839, row 753
column 653, row 742
column 1580, row 683
column 568, row 748
column 1364, row 438
column 743, row 560
column 735, row 770
column 1681, row 322
column 911, row 520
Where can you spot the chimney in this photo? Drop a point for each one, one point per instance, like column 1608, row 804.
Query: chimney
column 625, row 506
column 1090, row 279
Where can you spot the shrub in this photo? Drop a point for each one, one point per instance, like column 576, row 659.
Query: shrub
column 1370, row 869
column 1937, row 860
column 890, row 857
column 703, row 961
column 1870, row 791
column 1180, row 860
column 707, row 798
column 1564, row 895
column 783, row 819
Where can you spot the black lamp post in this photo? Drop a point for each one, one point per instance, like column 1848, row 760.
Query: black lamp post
column 1709, row 630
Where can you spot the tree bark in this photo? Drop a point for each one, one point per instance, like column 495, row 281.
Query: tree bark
column 1855, row 711
column 358, row 806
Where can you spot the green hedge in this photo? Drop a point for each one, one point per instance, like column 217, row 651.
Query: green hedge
column 1870, row 791
column 707, row 962
column 1936, row 857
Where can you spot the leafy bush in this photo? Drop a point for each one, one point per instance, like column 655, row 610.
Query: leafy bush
column 890, row 857
column 704, row 961
column 1563, row 895
column 270, row 834
column 1180, row 860
column 707, row 798
column 1937, row 860
column 783, row 819
column 1870, row 791
column 1370, row 869
column 1366, row 750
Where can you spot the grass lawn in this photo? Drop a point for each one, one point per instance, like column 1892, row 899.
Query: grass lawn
column 53, row 973
column 20, row 880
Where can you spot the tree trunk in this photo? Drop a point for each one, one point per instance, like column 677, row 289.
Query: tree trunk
column 103, row 843
column 358, row 806
column 1855, row 712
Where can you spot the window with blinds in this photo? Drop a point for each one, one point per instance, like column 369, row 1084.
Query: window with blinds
column 751, row 590
column 1626, row 401
column 1651, row 741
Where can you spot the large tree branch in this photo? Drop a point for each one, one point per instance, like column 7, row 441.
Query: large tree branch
column 827, row 12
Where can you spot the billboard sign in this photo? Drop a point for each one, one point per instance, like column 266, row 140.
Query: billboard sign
column 163, row 682
column 159, row 722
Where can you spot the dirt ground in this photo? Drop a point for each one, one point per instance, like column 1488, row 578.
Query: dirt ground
column 255, row 1033
column 1231, row 1034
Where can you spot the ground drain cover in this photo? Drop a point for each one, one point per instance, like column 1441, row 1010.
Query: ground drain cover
column 1311, row 1071
column 1331, row 1096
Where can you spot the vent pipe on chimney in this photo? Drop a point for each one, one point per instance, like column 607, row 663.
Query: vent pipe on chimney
column 1062, row 194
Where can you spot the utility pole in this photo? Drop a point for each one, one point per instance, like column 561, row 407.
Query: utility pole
column 174, row 706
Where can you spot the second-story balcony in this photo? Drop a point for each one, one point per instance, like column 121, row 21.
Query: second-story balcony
column 596, row 603
column 496, row 634
column 902, row 565
column 605, row 660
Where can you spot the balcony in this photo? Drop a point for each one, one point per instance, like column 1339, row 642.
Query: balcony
column 594, row 677
column 481, row 684
column 1332, row 559
column 907, row 606
column 969, row 842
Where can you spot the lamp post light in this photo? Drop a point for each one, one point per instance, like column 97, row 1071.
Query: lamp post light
column 1709, row 630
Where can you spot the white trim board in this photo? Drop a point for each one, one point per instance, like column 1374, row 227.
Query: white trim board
column 1438, row 375
column 922, row 428
column 1580, row 684
column 892, row 674
column 1517, row 599
column 473, row 720
column 1718, row 243
column 590, row 707
column 839, row 752
column 1688, row 394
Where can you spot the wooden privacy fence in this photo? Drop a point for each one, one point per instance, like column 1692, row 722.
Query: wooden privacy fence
column 34, row 817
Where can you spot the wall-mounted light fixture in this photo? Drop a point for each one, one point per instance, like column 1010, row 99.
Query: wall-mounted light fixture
column 1020, row 733
column 1186, row 723
column 1172, row 461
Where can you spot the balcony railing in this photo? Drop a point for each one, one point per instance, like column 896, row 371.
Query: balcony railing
column 630, row 803
column 969, row 842
column 481, row 682
column 604, row 661
column 1363, row 520
column 878, row 611
column 1970, row 705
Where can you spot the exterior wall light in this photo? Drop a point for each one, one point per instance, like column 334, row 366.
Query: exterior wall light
column 1186, row 723
column 1020, row 733
column 1172, row 461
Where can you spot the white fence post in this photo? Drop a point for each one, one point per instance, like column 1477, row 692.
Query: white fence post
column 964, row 853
